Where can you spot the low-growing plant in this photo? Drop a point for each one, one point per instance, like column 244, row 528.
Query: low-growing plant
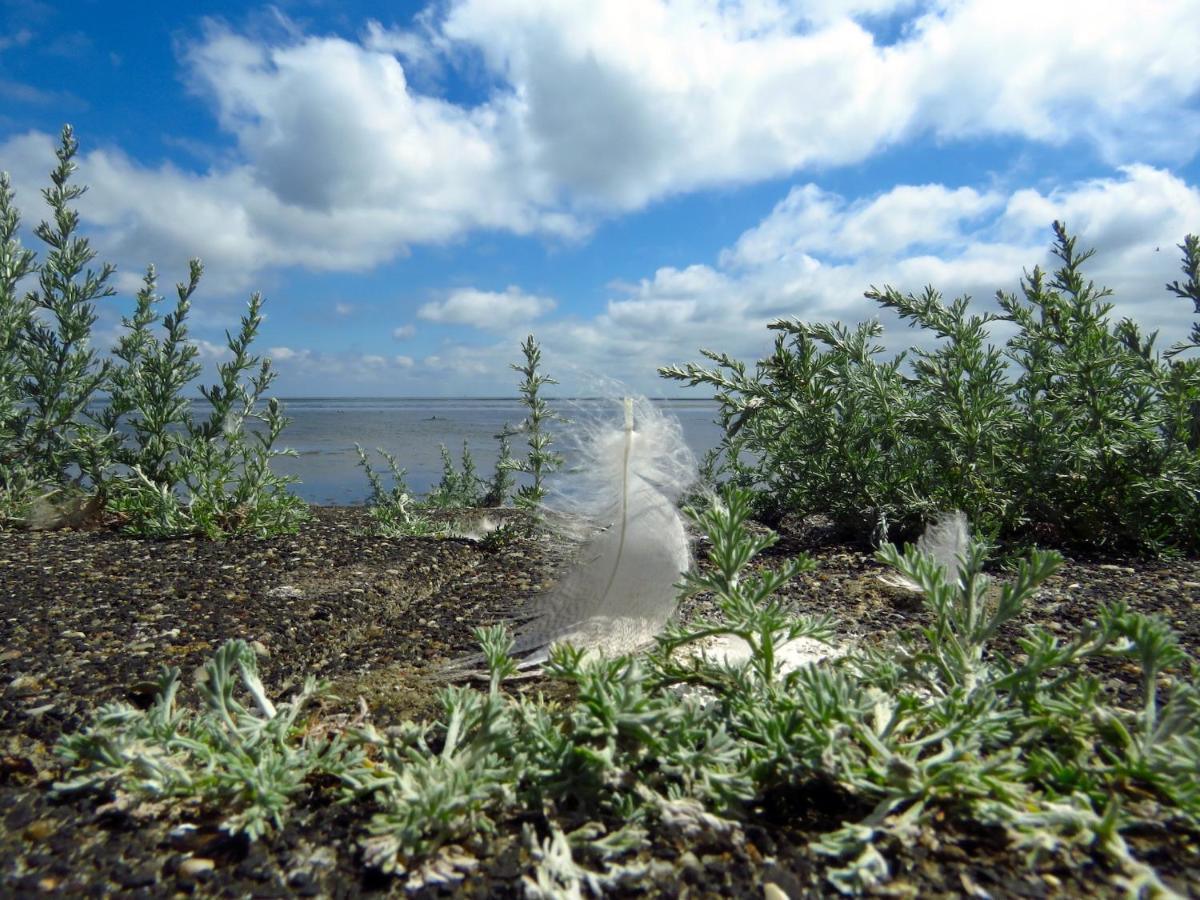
column 501, row 485
column 251, row 760
column 1077, row 430
column 458, row 489
column 395, row 511
column 938, row 724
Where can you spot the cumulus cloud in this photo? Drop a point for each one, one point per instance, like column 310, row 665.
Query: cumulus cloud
column 727, row 304
column 489, row 310
column 590, row 109
column 626, row 101
column 404, row 332
column 785, row 267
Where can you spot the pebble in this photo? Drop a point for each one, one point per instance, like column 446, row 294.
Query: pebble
column 195, row 866
column 24, row 685
column 40, row 830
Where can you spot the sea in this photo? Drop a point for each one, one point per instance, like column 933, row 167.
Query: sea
column 323, row 432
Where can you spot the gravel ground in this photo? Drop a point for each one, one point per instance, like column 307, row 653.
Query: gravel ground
column 88, row 616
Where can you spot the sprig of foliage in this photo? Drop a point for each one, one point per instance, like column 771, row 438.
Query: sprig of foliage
column 1076, row 429
column 16, row 311
column 395, row 510
column 252, row 760
column 502, row 482
column 458, row 489
column 540, row 460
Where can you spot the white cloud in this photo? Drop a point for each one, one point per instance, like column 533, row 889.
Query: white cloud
column 489, row 310
column 980, row 242
column 343, row 309
column 988, row 240
column 404, row 332
column 810, row 220
column 596, row 108
column 626, row 101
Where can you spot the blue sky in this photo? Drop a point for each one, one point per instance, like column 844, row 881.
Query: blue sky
column 416, row 187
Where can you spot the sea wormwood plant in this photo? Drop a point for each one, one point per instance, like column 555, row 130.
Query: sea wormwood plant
column 251, row 760
column 540, row 460
column 164, row 474
column 458, row 488
column 939, row 724
column 47, row 346
column 395, row 511
column 1076, row 430
column 16, row 310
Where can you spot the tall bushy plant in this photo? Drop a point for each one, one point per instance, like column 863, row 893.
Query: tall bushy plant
column 210, row 476
column 148, row 380
column 1077, row 427
column 60, row 370
column 229, row 478
column 16, row 263
column 142, row 452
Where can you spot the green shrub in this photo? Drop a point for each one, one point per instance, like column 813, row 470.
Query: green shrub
column 16, row 310
column 395, row 511
column 170, row 474
column 457, row 489
column 1077, row 431
column 49, row 445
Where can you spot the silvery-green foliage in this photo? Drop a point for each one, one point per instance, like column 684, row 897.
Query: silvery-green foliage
column 458, row 488
column 57, row 368
column 1101, row 446
column 748, row 610
column 1076, row 425
column 251, row 759
column 227, row 475
column 397, row 513
column 937, row 724
column 16, row 310
column 502, row 482
column 147, row 381
column 540, row 461
column 944, row 720
column 167, row 475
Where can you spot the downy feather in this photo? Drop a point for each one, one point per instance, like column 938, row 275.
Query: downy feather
column 626, row 481
column 945, row 541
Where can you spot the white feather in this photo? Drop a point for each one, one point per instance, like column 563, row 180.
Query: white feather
column 945, row 541
column 621, row 592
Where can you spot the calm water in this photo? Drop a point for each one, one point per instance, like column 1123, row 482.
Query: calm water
column 324, row 431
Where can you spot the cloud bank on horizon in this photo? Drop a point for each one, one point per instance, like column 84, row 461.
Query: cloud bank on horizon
column 629, row 180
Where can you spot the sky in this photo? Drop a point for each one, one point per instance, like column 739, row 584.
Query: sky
column 415, row 187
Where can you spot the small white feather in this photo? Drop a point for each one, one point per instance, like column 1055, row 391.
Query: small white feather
column 945, row 541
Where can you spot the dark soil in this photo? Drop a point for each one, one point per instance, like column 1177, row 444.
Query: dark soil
column 89, row 616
